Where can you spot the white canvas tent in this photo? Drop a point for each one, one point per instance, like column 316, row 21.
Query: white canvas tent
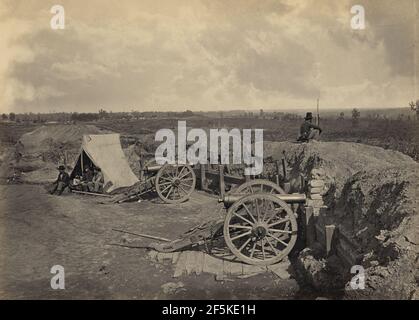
column 104, row 151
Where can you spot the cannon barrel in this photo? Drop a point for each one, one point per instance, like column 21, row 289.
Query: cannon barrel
column 153, row 168
column 229, row 199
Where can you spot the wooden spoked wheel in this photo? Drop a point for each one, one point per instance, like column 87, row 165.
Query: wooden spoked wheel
column 175, row 183
column 259, row 186
column 260, row 229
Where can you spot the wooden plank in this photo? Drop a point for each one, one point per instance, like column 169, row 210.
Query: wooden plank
column 249, row 269
column 190, row 261
column 175, row 257
column 236, row 268
column 226, row 268
column 180, row 265
column 212, row 265
column 200, row 260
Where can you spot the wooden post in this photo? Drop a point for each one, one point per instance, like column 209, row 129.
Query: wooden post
column 203, row 177
column 284, row 169
column 222, row 184
column 310, row 232
column 278, row 168
column 329, row 231
column 277, row 179
column 302, row 184
column 247, row 177
column 287, row 187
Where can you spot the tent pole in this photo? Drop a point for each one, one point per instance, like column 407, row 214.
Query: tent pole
column 82, row 169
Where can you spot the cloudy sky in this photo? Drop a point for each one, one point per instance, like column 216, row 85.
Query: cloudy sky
column 205, row 55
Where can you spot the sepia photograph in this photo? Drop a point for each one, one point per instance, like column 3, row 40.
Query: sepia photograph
column 208, row 150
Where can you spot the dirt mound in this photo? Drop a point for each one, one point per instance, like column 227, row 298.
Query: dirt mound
column 38, row 153
column 371, row 194
column 340, row 160
column 41, row 139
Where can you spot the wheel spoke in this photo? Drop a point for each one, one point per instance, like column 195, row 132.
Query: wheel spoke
column 280, row 231
column 180, row 187
column 249, row 213
column 187, row 173
column 170, row 191
column 257, row 209
column 243, row 218
column 277, row 239
column 185, row 184
column 274, row 250
column 245, row 244
column 241, row 235
column 278, row 222
column 239, row 226
column 166, row 188
column 180, row 173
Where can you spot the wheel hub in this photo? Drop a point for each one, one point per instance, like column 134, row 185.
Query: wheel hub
column 259, row 231
column 176, row 182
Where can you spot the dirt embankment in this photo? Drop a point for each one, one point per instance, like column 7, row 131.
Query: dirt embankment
column 371, row 194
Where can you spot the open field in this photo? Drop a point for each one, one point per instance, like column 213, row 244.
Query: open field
column 400, row 135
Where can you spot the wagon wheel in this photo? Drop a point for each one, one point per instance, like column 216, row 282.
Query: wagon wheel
column 259, row 186
column 260, row 229
column 175, row 183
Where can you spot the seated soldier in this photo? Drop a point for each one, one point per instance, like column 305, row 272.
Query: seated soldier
column 86, row 178
column 308, row 130
column 62, row 181
column 76, row 184
column 96, row 185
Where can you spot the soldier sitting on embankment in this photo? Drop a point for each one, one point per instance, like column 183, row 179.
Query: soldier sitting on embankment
column 308, row 130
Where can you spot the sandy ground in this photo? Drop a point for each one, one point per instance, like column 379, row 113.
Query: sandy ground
column 38, row 230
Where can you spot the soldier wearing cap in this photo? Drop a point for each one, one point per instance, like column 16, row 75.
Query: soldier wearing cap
column 308, row 130
column 62, row 181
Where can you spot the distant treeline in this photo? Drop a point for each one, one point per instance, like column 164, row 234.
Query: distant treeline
column 353, row 114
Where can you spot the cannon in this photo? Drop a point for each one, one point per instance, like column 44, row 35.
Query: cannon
column 260, row 226
column 174, row 183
